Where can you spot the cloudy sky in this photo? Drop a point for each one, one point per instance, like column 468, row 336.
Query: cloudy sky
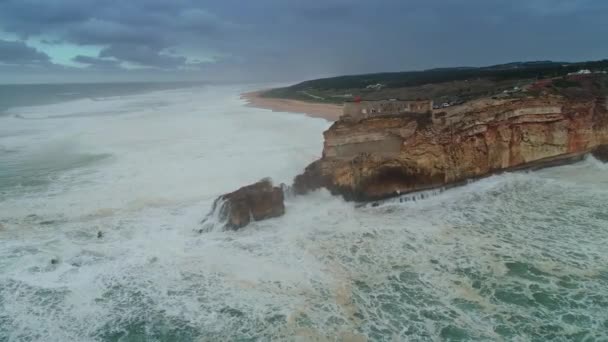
column 285, row 40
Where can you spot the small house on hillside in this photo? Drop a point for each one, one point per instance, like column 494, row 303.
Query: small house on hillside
column 376, row 86
column 581, row 72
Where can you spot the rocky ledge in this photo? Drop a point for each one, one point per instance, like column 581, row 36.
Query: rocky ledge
column 255, row 202
column 384, row 156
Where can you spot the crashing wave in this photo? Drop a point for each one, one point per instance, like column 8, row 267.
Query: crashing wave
column 217, row 218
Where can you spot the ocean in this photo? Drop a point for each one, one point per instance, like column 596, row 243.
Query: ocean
column 102, row 193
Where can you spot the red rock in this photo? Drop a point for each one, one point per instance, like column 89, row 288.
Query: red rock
column 385, row 156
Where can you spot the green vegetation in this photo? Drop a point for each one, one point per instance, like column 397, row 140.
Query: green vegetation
column 510, row 71
column 442, row 85
column 566, row 83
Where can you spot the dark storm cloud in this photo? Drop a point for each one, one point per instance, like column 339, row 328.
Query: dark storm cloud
column 142, row 55
column 100, row 32
column 329, row 11
column 27, row 17
column 18, row 53
column 293, row 39
column 96, row 62
column 139, row 32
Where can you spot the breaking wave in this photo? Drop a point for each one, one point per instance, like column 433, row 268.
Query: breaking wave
column 518, row 256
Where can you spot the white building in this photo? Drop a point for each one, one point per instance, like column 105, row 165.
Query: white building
column 581, row 72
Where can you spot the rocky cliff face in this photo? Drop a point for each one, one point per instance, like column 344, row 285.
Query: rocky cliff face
column 384, row 156
column 255, row 202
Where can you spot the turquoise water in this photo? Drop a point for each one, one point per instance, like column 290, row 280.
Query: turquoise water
column 515, row 257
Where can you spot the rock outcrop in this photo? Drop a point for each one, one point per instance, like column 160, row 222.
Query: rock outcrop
column 385, row 156
column 601, row 153
column 255, row 202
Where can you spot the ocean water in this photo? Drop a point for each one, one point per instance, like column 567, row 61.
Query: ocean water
column 515, row 257
column 12, row 95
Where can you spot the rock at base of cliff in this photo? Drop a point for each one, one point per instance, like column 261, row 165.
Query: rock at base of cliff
column 310, row 180
column 255, row 202
column 601, row 153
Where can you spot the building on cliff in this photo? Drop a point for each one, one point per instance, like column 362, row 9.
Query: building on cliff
column 359, row 110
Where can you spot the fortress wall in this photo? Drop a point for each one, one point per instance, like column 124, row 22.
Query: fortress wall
column 364, row 109
column 390, row 146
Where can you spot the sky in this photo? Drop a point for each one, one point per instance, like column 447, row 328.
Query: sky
column 285, row 40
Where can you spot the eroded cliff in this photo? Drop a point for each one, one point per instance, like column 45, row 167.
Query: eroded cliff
column 385, row 156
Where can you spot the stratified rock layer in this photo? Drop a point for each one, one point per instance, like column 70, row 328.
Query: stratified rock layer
column 385, row 156
column 237, row 209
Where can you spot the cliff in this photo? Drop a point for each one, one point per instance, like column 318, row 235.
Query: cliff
column 375, row 156
column 384, row 156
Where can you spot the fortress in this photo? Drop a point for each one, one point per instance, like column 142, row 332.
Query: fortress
column 355, row 111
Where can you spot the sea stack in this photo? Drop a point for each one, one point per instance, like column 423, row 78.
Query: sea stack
column 255, row 202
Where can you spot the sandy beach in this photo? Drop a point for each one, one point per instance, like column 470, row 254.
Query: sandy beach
column 330, row 112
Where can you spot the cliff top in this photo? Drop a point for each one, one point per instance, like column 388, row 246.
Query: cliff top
column 444, row 86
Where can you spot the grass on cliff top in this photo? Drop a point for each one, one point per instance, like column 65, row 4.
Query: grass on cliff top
column 443, row 85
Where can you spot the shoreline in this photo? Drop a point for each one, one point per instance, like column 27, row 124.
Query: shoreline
column 329, row 112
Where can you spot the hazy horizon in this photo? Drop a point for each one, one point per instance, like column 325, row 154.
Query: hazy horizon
column 285, row 82
column 91, row 41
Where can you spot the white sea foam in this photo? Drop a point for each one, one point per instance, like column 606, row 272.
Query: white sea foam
column 508, row 257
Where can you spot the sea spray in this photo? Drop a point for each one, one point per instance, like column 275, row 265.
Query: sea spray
column 410, row 197
column 217, row 218
column 256, row 202
column 517, row 256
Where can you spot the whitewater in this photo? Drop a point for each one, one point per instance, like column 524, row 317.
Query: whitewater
column 101, row 202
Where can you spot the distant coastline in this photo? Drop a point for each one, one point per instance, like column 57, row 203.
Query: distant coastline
column 330, row 112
